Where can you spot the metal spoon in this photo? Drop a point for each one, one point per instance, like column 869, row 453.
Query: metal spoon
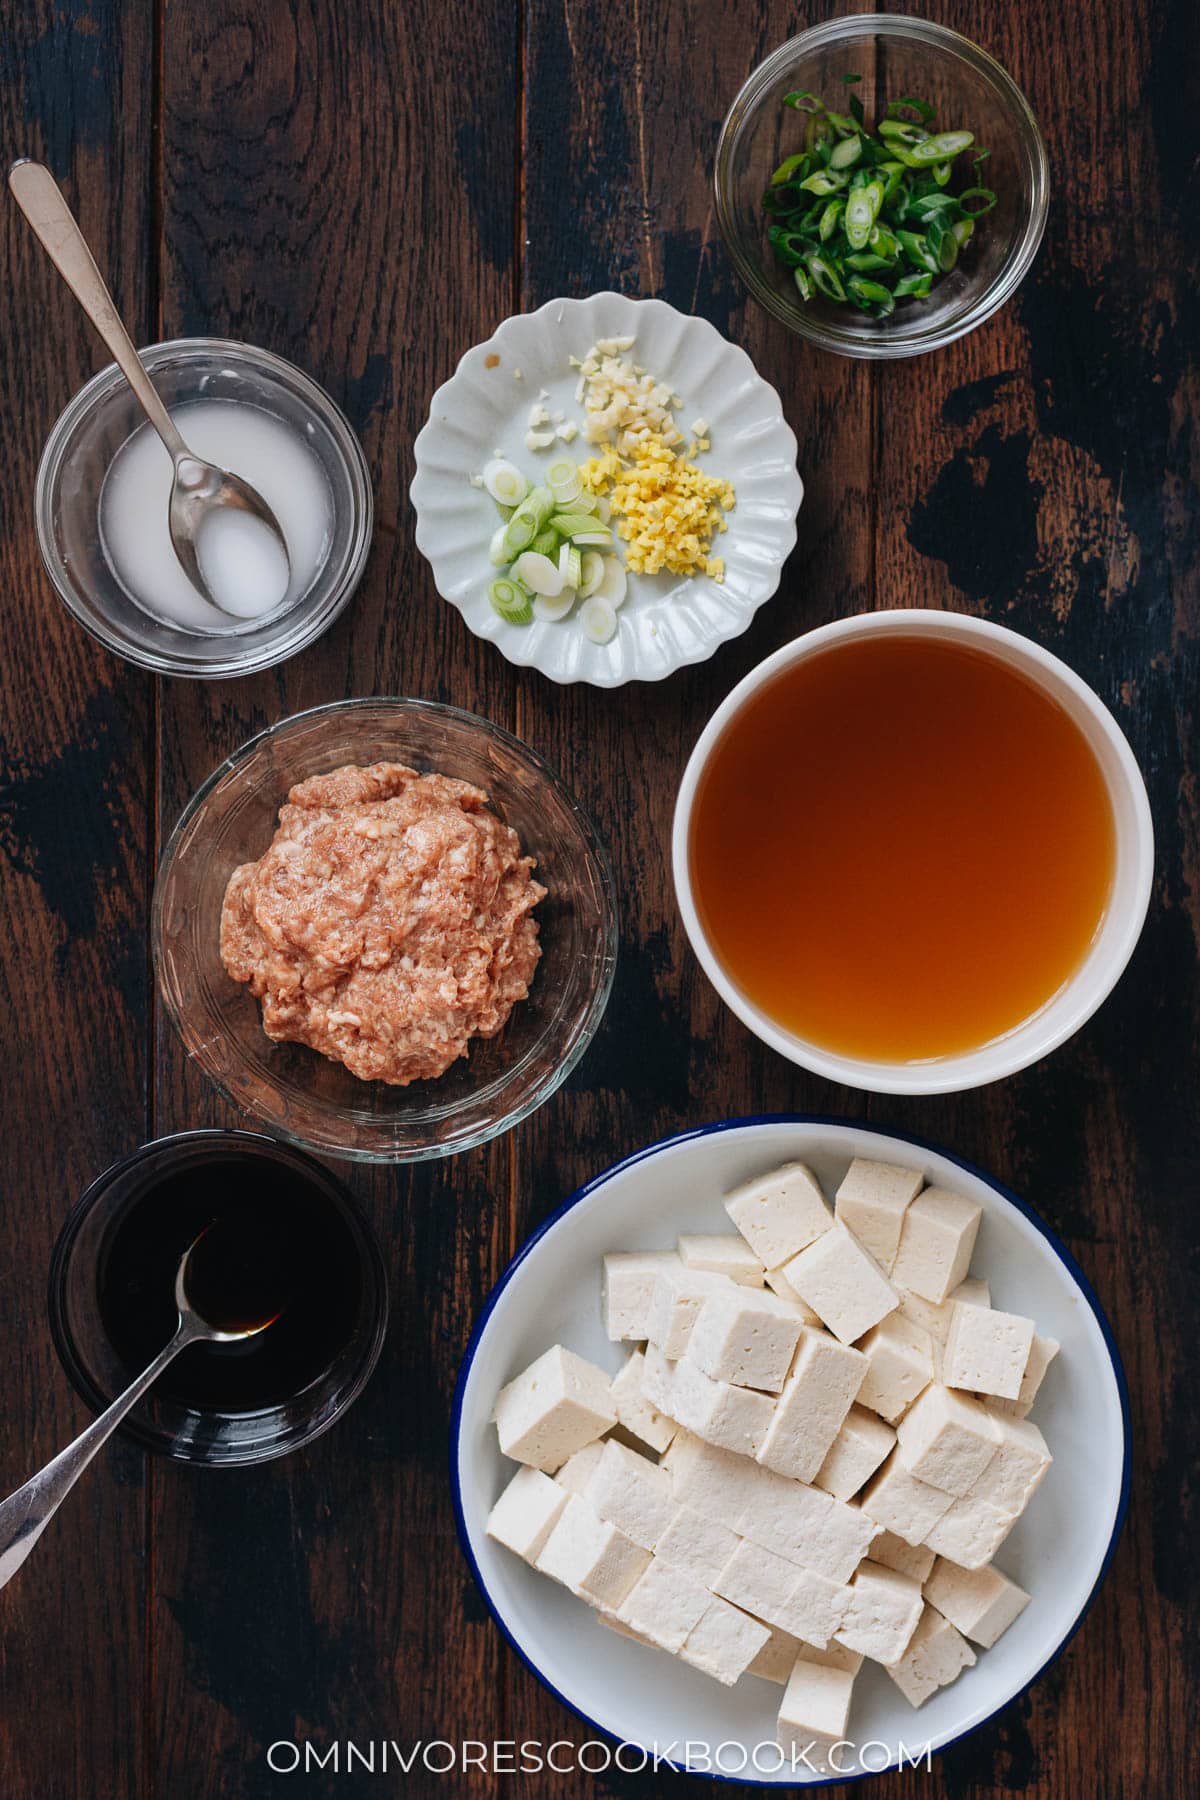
column 25, row 1514
column 198, row 487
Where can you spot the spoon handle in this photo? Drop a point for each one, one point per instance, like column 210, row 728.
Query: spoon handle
column 25, row 1514
column 41, row 200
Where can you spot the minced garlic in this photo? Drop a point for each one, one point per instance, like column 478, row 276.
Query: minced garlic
column 665, row 508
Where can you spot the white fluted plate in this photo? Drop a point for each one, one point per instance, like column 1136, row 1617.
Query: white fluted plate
column 668, row 621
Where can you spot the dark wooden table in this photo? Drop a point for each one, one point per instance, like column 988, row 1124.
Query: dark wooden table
column 368, row 187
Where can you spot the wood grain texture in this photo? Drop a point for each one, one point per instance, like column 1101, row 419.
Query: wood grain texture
column 368, row 190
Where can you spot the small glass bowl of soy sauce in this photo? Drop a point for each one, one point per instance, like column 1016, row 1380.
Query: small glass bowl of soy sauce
column 285, row 1238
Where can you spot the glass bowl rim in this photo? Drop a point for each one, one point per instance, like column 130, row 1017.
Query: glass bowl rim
column 269, row 655
column 376, row 1302
column 597, row 1002
column 895, row 343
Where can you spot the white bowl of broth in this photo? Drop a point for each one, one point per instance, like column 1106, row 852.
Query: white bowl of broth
column 913, row 851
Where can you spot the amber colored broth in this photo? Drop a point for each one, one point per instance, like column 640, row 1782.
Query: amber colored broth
column 901, row 848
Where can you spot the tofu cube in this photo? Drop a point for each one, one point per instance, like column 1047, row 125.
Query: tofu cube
column 902, row 1504
column 745, row 1336
column 711, row 1479
column 1042, row 1353
column 834, row 1656
column 658, row 1381
column 628, row 1284
column 882, row 1612
column 856, row 1452
column 699, row 1545
column 664, row 1604
column 799, row 1601
column 675, row 1303
column 632, row 1493
column 777, row 1657
column 935, row 1318
column 722, row 1254
column 637, row 1414
column 806, row 1526
column 591, row 1557
column 724, row 1642
column 935, row 1657
column 948, row 1440
column 526, row 1513
column 559, row 1404
column 872, row 1201
column 913, row 1560
column 576, row 1472
column 986, row 1350
column 781, row 1213
column 1018, row 1468
column 736, row 1418
column 845, row 1288
column 816, row 1705
column 936, row 1243
column 900, row 1364
column 779, row 1284
column 982, row 1603
column 969, row 1532
column 816, row 1397
column 613, row 1622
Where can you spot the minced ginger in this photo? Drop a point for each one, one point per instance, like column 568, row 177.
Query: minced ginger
column 665, row 509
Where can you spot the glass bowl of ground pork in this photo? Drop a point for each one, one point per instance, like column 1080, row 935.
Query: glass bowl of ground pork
column 385, row 929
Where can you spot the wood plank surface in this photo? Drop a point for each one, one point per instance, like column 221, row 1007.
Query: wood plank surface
column 368, row 190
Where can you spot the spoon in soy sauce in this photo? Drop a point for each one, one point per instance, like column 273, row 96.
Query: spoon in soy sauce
column 241, row 1297
column 203, row 496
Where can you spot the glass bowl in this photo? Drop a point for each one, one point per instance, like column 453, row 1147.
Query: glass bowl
column 895, row 56
column 301, row 1095
column 77, row 457
column 159, row 1422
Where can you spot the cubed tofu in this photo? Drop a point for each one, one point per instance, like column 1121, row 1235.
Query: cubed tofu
column 614, row 1622
column 658, row 1381
column 986, row 1350
column 982, row 1603
column 779, row 1284
column 900, row 1364
column 934, row 1317
column 936, row 1244
column 736, row 1418
column 872, row 1201
column 903, row 1505
column 699, row 1545
column 817, row 1395
column 638, row 1415
column 969, row 1532
column 882, row 1612
column 675, row 1303
column 936, row 1656
column 845, row 1288
column 913, row 1560
column 664, row 1604
column 948, row 1439
column 712, row 1480
column 781, row 1213
column 591, row 1557
column 1042, row 1353
column 576, row 1472
column 815, row 1706
column 834, row 1656
column 806, row 1526
column 632, row 1493
column 559, row 1404
column 798, row 1601
column 628, row 1284
column 723, row 1254
column 856, row 1452
column 746, row 1336
column 775, row 1660
column 526, row 1513
column 724, row 1642
column 1018, row 1468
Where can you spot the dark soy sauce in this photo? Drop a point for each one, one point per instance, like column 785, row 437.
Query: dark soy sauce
column 274, row 1247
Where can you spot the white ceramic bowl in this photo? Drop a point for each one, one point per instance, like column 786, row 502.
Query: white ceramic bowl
column 1115, row 938
column 668, row 621
column 551, row 1293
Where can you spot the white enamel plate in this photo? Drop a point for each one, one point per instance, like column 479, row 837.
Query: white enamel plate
column 1058, row 1551
column 667, row 621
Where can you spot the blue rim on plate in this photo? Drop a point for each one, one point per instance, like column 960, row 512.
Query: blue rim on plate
column 701, row 1131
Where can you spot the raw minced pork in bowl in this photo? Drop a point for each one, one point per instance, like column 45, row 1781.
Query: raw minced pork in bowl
column 481, row 797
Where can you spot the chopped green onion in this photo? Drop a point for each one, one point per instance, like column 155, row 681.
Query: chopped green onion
column 825, row 278
column 538, row 573
column 511, row 602
column 985, row 194
column 942, row 148
column 824, row 181
column 570, row 565
column 546, row 543
column 912, row 287
column 497, row 553
column 505, row 482
column 787, row 169
column 564, row 481
column 830, row 219
column 846, row 153
column 802, row 101
column 922, row 109
column 592, row 573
